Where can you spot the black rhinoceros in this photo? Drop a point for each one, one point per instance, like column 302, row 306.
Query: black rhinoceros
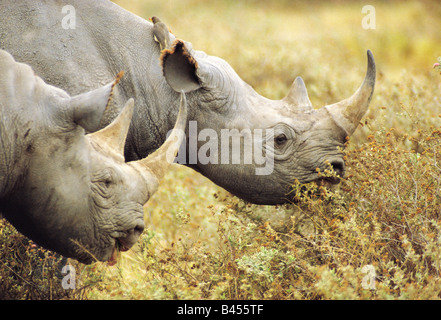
column 76, row 44
column 70, row 192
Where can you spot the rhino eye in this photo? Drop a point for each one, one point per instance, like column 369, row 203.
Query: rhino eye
column 108, row 182
column 104, row 177
column 280, row 139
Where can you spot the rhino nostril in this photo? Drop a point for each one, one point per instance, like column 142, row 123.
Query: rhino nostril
column 139, row 228
column 339, row 167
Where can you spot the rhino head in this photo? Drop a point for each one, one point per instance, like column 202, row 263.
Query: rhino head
column 71, row 192
column 296, row 139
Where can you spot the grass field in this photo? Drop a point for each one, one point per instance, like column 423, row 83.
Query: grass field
column 375, row 236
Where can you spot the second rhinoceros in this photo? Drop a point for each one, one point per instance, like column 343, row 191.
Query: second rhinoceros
column 86, row 44
column 70, row 192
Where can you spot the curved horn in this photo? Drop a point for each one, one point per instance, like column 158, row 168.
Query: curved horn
column 159, row 161
column 298, row 96
column 113, row 137
column 89, row 108
column 348, row 113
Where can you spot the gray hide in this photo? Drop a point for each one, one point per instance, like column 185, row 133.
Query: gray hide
column 71, row 192
column 105, row 39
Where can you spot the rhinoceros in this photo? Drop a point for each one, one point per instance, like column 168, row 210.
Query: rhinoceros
column 77, row 43
column 70, row 192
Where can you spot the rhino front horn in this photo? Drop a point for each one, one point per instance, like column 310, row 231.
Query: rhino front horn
column 348, row 113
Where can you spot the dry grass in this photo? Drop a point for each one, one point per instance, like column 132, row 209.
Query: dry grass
column 203, row 243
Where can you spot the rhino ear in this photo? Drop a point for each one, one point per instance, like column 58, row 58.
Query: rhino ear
column 88, row 108
column 179, row 68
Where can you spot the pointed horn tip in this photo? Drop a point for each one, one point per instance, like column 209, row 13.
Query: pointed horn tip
column 130, row 104
column 159, row 161
column 371, row 60
column 371, row 69
column 370, row 55
column 126, row 112
column 299, row 81
column 183, row 106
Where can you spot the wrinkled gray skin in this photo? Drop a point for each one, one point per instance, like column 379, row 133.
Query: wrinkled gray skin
column 70, row 192
column 107, row 39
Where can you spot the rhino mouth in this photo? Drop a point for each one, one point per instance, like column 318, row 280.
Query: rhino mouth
column 323, row 180
column 329, row 181
column 118, row 247
column 124, row 240
column 331, row 173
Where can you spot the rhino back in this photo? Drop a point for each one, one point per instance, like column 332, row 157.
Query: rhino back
column 105, row 39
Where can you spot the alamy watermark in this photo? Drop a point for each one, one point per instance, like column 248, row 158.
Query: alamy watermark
column 229, row 146
column 369, row 21
column 68, row 281
column 368, row 281
column 69, row 20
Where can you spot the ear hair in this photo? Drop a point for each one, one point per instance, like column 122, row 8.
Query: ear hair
column 179, row 47
column 115, row 82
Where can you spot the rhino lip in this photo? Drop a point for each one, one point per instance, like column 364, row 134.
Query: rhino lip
column 331, row 180
column 118, row 247
column 322, row 181
column 123, row 241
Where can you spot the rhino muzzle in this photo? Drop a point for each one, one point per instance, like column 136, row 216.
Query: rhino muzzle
column 125, row 242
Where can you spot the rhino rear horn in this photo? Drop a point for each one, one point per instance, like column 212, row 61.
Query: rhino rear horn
column 348, row 113
column 113, row 136
column 298, row 97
